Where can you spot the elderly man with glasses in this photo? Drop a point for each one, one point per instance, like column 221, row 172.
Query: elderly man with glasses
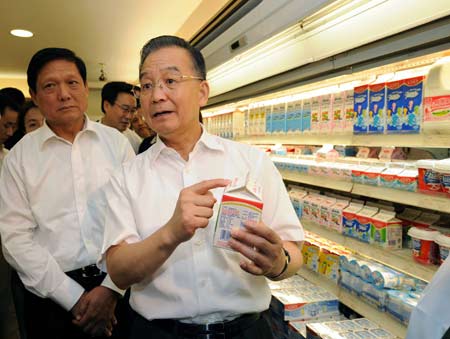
column 119, row 106
column 162, row 208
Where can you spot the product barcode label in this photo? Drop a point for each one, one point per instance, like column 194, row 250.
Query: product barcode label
column 225, row 235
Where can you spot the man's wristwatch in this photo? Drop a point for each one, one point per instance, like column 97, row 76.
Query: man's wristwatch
column 287, row 259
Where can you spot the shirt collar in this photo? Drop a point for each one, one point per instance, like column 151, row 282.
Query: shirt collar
column 45, row 133
column 207, row 140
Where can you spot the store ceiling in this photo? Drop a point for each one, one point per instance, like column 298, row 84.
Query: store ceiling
column 100, row 31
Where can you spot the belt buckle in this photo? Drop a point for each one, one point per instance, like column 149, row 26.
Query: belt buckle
column 90, row 271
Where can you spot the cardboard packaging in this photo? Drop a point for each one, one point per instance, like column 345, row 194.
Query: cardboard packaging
column 241, row 201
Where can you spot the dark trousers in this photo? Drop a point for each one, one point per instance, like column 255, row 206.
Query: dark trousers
column 43, row 318
column 144, row 329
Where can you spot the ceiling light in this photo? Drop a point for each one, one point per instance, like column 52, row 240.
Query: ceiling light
column 21, row 33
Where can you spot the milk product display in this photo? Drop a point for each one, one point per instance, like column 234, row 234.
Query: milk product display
column 349, row 219
column 363, row 223
column 315, row 114
column 437, row 97
column 297, row 304
column 443, row 170
column 386, row 230
column 377, row 103
column 349, row 113
column 306, row 115
column 394, row 103
column 412, row 109
column 429, row 181
column 241, row 201
column 424, row 248
column 361, row 105
column 443, row 240
column 326, row 112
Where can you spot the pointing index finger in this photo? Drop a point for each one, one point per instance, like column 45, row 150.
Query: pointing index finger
column 204, row 186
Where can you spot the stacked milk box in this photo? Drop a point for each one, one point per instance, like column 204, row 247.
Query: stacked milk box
column 296, row 299
column 380, row 286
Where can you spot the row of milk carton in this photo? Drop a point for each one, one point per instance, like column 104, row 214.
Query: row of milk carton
column 352, row 218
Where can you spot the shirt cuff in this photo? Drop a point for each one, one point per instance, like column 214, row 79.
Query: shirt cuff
column 67, row 294
column 107, row 282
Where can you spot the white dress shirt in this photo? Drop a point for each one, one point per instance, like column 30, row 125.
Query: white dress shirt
column 430, row 319
column 3, row 153
column 134, row 139
column 50, row 200
column 198, row 283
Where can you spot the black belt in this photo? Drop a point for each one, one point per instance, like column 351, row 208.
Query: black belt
column 214, row 330
column 90, row 271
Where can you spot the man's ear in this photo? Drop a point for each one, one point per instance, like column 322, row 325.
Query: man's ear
column 204, row 93
column 33, row 96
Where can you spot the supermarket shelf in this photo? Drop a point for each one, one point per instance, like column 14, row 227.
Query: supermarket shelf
column 400, row 140
column 398, row 259
column 383, row 319
column 441, row 204
column 338, row 185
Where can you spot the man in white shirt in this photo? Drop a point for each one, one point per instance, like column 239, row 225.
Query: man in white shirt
column 431, row 317
column 51, row 202
column 162, row 210
column 9, row 113
column 119, row 106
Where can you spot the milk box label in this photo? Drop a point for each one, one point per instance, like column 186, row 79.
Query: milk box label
column 377, row 100
column 361, row 104
column 412, row 109
column 338, row 116
column 394, row 102
column 241, row 201
column 437, row 108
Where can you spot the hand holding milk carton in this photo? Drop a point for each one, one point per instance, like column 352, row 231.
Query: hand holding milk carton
column 241, row 202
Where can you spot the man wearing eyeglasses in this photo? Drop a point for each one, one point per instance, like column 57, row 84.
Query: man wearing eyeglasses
column 162, row 208
column 119, row 106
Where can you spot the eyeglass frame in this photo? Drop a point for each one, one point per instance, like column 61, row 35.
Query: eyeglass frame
column 126, row 109
column 138, row 93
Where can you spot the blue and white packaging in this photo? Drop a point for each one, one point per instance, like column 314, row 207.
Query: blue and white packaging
column 394, row 103
column 412, row 109
column 361, row 105
column 377, row 106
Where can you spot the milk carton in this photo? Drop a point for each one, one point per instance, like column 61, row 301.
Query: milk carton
column 325, row 211
column 394, row 102
column 315, row 114
column 363, row 223
column 297, row 195
column 268, row 115
column 371, row 176
column 241, row 201
column 349, row 114
column 336, row 217
column 349, row 218
column 389, row 177
column 437, row 97
column 386, row 230
column 338, row 115
column 306, row 115
column 294, row 117
column 412, row 109
column 361, row 104
column 377, row 103
column 290, row 114
column 326, row 109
